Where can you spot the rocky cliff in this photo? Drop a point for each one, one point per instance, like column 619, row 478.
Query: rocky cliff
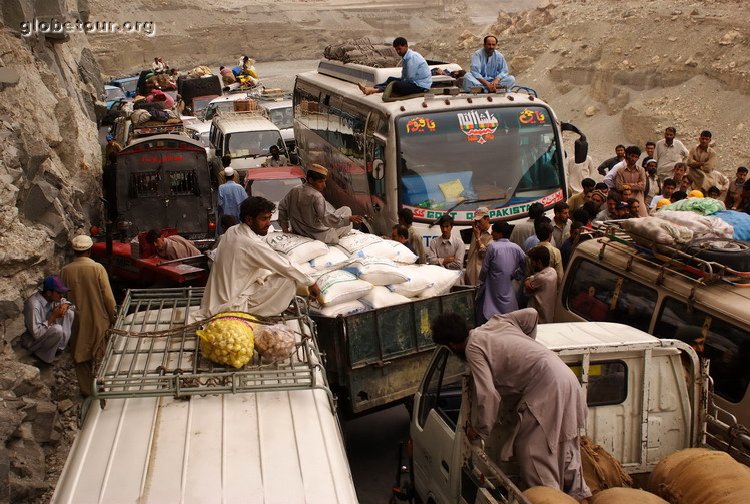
column 50, row 167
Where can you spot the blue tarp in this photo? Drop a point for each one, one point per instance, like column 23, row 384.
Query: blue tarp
column 739, row 220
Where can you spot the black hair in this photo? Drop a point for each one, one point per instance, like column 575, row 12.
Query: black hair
column 400, row 42
column 619, row 146
column 226, row 161
column 152, row 235
column 502, row 228
column 254, row 206
column 577, row 225
column 445, row 219
column 650, row 143
column 402, row 231
column 449, row 328
column 560, row 206
column 588, row 183
column 714, row 190
column 678, row 195
column 540, row 254
column 601, row 186
column 581, row 215
column 633, row 149
column 407, row 215
column 614, row 197
column 484, row 41
column 590, row 208
column 669, row 182
column 672, row 129
column 706, row 133
column 274, row 147
column 227, row 221
column 536, row 210
column 543, row 231
column 742, row 169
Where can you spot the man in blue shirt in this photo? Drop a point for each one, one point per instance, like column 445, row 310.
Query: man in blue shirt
column 489, row 70
column 415, row 78
column 230, row 196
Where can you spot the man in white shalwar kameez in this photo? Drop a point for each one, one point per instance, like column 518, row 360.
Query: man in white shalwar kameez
column 248, row 275
column 505, row 359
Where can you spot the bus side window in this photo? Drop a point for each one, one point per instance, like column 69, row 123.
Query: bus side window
column 726, row 345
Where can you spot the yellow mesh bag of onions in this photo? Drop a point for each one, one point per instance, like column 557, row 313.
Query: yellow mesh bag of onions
column 228, row 338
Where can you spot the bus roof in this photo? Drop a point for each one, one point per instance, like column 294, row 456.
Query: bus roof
column 434, row 102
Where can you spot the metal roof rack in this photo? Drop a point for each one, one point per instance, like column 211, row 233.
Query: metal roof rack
column 154, row 351
column 666, row 258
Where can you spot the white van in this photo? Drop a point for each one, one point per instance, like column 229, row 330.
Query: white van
column 611, row 279
column 244, row 136
column 280, row 113
column 177, row 428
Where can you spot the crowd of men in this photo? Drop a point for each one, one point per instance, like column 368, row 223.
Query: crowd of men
column 639, row 183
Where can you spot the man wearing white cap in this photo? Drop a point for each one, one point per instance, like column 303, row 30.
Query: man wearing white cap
column 49, row 319
column 230, row 197
column 480, row 240
column 92, row 295
column 306, row 212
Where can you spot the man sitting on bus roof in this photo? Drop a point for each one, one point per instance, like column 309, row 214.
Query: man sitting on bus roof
column 416, row 77
column 488, row 71
column 306, row 212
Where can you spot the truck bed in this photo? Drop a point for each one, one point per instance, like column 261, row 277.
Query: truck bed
column 377, row 357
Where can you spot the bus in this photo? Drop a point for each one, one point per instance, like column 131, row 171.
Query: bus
column 446, row 151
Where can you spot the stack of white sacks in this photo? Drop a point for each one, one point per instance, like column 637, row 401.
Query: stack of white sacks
column 362, row 272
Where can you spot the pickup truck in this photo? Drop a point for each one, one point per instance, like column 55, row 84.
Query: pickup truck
column 647, row 398
column 376, row 358
column 177, row 428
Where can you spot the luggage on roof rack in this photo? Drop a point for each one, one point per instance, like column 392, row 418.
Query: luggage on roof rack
column 364, row 52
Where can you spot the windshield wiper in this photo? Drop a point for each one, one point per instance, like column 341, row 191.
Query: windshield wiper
column 470, row 202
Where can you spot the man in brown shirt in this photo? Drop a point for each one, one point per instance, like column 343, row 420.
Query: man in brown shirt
column 633, row 176
column 171, row 247
column 480, row 240
column 702, row 162
column 95, row 310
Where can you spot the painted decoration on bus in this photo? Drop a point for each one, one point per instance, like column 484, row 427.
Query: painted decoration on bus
column 495, row 213
column 528, row 116
column 478, row 127
column 421, row 125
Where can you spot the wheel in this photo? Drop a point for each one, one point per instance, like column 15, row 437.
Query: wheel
column 733, row 254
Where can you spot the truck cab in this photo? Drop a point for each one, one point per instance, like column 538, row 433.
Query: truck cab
column 647, row 398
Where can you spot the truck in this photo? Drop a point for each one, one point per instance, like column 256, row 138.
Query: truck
column 166, row 425
column 375, row 359
column 647, row 398
column 160, row 182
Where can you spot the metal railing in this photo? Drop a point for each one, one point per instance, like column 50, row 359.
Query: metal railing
column 153, row 351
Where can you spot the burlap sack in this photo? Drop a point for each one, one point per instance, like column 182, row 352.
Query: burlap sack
column 600, row 469
column 710, row 477
column 546, row 495
column 662, row 471
column 625, row 496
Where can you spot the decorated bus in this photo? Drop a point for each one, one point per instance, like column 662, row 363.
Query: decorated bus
column 444, row 152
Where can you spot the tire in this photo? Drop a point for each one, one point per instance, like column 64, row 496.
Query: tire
column 734, row 254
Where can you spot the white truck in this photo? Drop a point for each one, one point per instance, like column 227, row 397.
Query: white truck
column 177, row 428
column 647, row 398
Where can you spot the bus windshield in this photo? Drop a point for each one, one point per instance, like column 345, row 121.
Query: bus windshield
column 508, row 157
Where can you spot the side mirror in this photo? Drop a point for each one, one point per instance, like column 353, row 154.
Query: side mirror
column 378, row 169
column 581, row 144
column 581, row 148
